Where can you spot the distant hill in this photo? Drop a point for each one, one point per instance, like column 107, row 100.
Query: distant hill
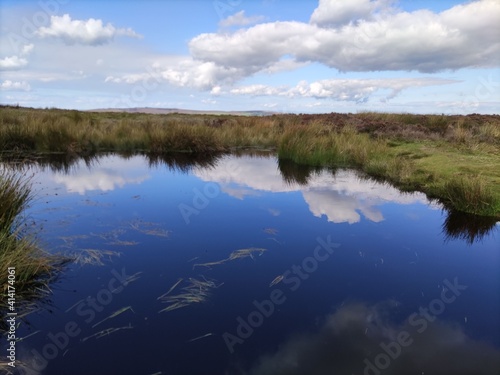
column 163, row 111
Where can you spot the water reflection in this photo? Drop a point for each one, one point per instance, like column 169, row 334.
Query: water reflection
column 352, row 340
column 108, row 174
column 340, row 196
column 293, row 173
column 65, row 163
column 466, row 227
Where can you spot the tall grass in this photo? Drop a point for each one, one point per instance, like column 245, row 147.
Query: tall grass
column 469, row 194
column 34, row 268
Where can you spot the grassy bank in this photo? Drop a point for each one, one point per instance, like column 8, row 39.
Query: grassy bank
column 452, row 158
column 34, row 269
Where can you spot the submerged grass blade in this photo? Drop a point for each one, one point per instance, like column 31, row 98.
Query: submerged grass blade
column 237, row 254
column 210, row 264
column 271, row 231
column 106, row 332
column 115, row 314
column 276, row 280
column 25, row 337
column 171, row 288
column 93, row 257
column 200, row 337
column 243, row 253
column 175, row 306
column 196, row 291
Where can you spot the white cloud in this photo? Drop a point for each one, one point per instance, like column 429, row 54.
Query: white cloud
column 16, row 62
column 356, row 90
column 12, row 62
column 334, row 13
column 89, row 32
column 239, row 19
column 381, row 39
column 15, row 86
column 209, row 101
column 256, row 90
column 216, row 90
column 185, row 73
column 26, row 50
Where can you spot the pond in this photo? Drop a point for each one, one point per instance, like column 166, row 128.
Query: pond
column 245, row 264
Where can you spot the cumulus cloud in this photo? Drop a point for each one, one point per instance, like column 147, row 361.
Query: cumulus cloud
column 88, row 32
column 334, row 13
column 17, row 62
column 9, row 85
column 186, row 73
column 364, row 36
column 353, row 334
column 240, row 19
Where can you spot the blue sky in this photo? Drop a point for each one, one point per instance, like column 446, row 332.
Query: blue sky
column 283, row 56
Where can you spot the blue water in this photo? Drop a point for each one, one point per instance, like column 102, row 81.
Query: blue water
column 359, row 261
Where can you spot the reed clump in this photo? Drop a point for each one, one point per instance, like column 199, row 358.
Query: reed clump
column 469, row 194
column 34, row 268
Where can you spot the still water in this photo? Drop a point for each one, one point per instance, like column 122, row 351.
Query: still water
column 243, row 264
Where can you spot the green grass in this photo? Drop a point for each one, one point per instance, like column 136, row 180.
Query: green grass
column 451, row 158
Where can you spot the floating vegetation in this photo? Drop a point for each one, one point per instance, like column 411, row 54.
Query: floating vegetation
column 171, row 288
column 21, row 368
column 237, row 254
column 74, row 305
column 243, row 253
column 123, row 243
column 271, row 231
column 210, row 264
column 275, row 240
column 71, row 239
column 93, row 256
column 129, row 279
column 25, row 337
column 111, row 235
column 149, row 228
column 201, row 337
column 106, row 332
column 115, row 314
column 276, row 280
column 174, row 306
column 197, row 291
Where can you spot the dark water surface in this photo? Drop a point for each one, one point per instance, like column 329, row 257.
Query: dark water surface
column 367, row 280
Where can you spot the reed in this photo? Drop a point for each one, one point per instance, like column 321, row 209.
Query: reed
column 34, row 268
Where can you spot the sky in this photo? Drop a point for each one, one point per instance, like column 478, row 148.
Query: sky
column 296, row 56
